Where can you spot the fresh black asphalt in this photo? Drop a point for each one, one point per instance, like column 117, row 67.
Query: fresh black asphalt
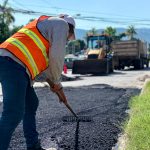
column 105, row 104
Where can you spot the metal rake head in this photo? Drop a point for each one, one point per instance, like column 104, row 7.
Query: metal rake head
column 75, row 119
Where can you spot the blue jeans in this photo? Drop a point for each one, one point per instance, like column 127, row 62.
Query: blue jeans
column 19, row 103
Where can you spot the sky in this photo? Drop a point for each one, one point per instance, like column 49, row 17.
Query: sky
column 88, row 14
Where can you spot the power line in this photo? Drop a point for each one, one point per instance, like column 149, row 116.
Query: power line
column 75, row 10
column 89, row 18
column 82, row 11
column 113, row 19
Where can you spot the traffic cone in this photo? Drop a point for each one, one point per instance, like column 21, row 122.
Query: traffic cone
column 65, row 69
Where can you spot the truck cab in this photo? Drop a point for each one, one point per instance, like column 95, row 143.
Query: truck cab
column 98, row 46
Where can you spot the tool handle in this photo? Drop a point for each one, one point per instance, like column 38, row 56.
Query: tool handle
column 68, row 106
column 70, row 109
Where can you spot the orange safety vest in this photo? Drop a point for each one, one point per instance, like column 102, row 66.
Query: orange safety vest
column 30, row 47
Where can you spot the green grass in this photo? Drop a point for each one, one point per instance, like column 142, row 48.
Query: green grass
column 137, row 128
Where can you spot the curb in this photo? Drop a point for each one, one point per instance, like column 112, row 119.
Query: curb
column 145, row 83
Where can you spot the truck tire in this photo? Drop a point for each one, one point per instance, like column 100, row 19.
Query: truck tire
column 107, row 67
column 147, row 63
column 139, row 64
column 142, row 64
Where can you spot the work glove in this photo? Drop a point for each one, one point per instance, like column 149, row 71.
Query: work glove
column 58, row 89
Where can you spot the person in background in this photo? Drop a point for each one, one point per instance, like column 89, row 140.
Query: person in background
column 37, row 48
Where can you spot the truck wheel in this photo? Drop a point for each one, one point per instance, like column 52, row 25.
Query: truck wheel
column 119, row 67
column 122, row 67
column 141, row 64
column 107, row 69
column 138, row 64
column 147, row 63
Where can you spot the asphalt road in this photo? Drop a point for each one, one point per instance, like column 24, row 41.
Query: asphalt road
column 104, row 98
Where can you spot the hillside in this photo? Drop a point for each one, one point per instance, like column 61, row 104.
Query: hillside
column 142, row 33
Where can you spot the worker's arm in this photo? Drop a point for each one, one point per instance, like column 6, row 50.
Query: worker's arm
column 58, row 39
column 56, row 88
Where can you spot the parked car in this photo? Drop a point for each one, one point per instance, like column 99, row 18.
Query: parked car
column 69, row 60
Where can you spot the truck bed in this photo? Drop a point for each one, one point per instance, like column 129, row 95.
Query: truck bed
column 130, row 53
column 135, row 48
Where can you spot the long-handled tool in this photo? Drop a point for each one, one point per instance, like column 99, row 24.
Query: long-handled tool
column 75, row 118
column 70, row 109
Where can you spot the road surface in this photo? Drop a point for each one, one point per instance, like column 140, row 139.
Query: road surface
column 104, row 98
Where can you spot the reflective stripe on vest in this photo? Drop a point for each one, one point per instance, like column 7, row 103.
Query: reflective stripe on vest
column 26, row 52
column 29, row 45
column 36, row 39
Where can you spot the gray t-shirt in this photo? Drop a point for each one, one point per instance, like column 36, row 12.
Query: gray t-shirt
column 55, row 30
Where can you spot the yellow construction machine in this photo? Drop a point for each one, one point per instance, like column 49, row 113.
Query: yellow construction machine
column 99, row 59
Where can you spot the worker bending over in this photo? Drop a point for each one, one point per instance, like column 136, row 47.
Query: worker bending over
column 37, row 48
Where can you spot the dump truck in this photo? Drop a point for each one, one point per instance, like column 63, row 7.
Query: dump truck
column 99, row 60
column 130, row 53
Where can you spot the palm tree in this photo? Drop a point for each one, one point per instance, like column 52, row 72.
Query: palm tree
column 73, row 46
column 110, row 31
column 119, row 36
column 131, row 32
column 6, row 16
column 93, row 31
column 15, row 29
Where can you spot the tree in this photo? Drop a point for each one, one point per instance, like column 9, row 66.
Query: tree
column 82, row 44
column 71, row 46
column 15, row 29
column 119, row 36
column 93, row 31
column 6, row 18
column 4, row 32
column 31, row 20
column 75, row 46
column 131, row 32
column 110, row 31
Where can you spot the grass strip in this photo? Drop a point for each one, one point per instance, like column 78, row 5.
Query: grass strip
column 137, row 127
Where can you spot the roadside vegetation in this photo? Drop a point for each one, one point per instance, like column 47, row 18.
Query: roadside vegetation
column 137, row 128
